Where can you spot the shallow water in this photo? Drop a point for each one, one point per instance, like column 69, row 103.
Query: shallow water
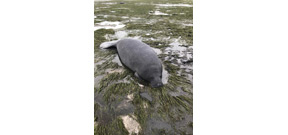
column 159, row 13
column 108, row 25
column 97, row 80
column 174, row 5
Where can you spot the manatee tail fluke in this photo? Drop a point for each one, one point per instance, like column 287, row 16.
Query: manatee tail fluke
column 108, row 44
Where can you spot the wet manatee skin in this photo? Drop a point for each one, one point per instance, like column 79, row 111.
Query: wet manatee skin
column 142, row 59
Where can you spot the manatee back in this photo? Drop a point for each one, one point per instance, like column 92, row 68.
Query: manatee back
column 139, row 57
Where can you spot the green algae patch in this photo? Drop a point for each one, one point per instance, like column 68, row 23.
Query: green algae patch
column 99, row 37
column 116, row 127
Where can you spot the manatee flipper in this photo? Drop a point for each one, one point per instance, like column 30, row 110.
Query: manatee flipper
column 109, row 44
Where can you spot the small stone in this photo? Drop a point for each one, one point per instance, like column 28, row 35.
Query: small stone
column 146, row 96
column 131, row 124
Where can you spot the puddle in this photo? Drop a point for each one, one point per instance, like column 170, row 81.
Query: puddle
column 155, row 124
column 187, row 24
column 101, row 0
column 142, row 3
column 137, row 32
column 125, row 17
column 106, row 16
column 108, row 25
column 183, row 22
column 103, row 7
column 151, row 21
column 189, row 55
column 173, row 5
column 159, row 13
column 124, row 107
column 190, row 78
column 98, row 19
column 131, row 124
column 117, row 35
column 187, row 67
column 98, row 99
column 182, row 124
column 157, row 51
column 98, row 63
column 176, row 48
column 179, row 92
column 135, row 18
column 105, row 117
column 158, row 39
column 123, row 8
column 97, row 80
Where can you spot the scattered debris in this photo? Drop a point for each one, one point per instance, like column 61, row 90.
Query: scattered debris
column 131, row 124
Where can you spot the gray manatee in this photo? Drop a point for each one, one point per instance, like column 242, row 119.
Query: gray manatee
column 140, row 58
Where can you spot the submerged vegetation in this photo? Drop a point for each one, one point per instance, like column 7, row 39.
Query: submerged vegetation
column 118, row 93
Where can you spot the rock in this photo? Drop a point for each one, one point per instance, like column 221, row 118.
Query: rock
column 146, row 96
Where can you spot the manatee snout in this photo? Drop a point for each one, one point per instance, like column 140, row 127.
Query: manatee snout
column 156, row 84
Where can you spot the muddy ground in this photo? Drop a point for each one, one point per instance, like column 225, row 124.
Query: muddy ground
column 125, row 105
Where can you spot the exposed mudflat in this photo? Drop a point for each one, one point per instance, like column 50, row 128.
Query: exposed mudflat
column 123, row 104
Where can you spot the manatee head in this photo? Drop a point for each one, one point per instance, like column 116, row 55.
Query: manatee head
column 156, row 82
column 152, row 74
column 155, row 76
